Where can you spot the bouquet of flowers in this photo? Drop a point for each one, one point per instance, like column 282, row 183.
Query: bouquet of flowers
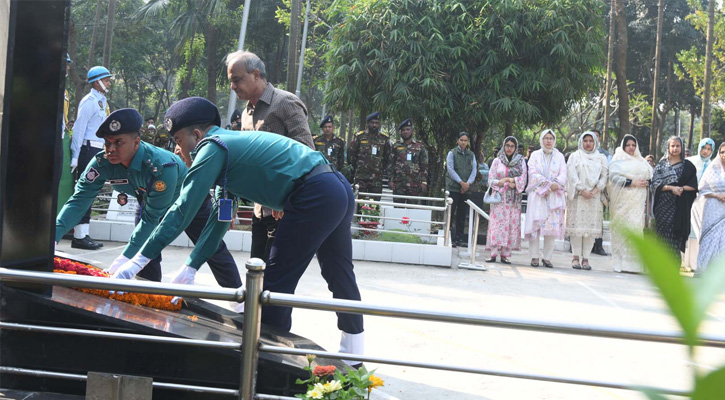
column 160, row 302
column 370, row 211
column 328, row 383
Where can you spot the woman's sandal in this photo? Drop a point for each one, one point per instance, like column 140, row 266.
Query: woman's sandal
column 535, row 264
column 547, row 263
column 575, row 264
column 585, row 265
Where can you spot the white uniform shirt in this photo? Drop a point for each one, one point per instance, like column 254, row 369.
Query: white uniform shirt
column 91, row 114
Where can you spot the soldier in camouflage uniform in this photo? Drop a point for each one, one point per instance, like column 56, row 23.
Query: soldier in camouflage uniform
column 163, row 139
column 408, row 165
column 148, row 134
column 368, row 155
column 330, row 145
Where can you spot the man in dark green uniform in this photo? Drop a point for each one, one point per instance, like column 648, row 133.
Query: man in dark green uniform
column 154, row 177
column 408, row 165
column 330, row 145
column 369, row 155
column 313, row 203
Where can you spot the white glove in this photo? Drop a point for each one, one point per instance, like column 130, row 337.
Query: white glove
column 73, row 164
column 132, row 267
column 120, row 260
column 184, row 276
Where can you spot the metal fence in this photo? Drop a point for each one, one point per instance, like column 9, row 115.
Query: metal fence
column 254, row 298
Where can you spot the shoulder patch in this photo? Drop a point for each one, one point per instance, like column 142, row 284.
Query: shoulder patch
column 359, row 133
column 92, row 175
column 159, row 186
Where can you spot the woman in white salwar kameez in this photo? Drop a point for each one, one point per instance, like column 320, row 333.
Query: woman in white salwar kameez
column 712, row 235
column 701, row 160
column 546, row 199
column 629, row 176
column 586, row 179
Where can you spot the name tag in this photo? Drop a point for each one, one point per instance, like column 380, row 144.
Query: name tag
column 225, row 210
column 409, row 157
column 375, row 150
column 329, row 151
column 118, row 181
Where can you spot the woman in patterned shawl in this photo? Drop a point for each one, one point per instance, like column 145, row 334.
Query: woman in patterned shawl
column 546, row 199
column 508, row 177
column 712, row 188
column 674, row 185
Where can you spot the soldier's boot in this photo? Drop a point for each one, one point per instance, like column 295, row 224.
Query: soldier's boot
column 86, row 244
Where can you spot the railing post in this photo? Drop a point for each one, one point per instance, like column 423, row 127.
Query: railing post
column 475, row 238
column 357, row 190
column 251, row 328
column 447, row 229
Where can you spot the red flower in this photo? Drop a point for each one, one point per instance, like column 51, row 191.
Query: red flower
column 405, row 220
column 323, row 370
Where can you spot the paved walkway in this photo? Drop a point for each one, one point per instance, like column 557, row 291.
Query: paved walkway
column 517, row 291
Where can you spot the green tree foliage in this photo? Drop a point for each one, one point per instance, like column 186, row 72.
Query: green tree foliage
column 463, row 65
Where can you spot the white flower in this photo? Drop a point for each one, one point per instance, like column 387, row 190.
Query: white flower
column 315, row 393
column 332, row 386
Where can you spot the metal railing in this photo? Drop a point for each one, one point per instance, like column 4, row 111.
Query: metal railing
column 255, row 298
column 474, row 216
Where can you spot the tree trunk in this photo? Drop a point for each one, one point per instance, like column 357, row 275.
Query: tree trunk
column 343, row 126
column 621, row 68
column 692, row 123
column 212, row 62
column 108, row 41
column 654, row 132
column 94, row 35
column 294, row 40
column 705, row 120
column 186, row 83
column 608, row 80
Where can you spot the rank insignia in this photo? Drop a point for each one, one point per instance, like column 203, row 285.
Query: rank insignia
column 92, row 174
column 159, row 186
column 122, row 199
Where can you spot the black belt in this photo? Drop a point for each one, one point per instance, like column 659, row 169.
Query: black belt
column 320, row 169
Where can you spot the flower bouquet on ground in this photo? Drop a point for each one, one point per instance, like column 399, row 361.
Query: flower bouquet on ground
column 64, row 266
column 326, row 382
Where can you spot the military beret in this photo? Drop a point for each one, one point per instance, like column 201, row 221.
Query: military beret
column 236, row 115
column 405, row 123
column 125, row 120
column 328, row 118
column 191, row 111
column 375, row 115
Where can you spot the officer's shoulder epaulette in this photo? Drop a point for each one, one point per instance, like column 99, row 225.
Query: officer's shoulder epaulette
column 385, row 134
column 314, row 138
column 359, row 133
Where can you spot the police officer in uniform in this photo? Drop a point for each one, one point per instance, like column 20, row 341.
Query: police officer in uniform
column 154, row 177
column 330, row 145
column 313, row 202
column 408, row 165
column 369, row 155
column 92, row 110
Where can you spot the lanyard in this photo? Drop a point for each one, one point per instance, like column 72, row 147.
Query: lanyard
column 220, row 142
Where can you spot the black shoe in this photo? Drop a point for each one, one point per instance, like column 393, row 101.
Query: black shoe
column 492, row 260
column 505, row 260
column 600, row 251
column 86, row 244
column 99, row 244
column 547, row 263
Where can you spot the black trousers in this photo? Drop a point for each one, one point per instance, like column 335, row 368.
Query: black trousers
column 86, row 155
column 459, row 212
column 222, row 263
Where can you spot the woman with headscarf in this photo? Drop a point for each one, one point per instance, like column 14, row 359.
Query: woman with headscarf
column 674, row 185
column 701, row 160
column 629, row 176
column 546, row 199
column 586, row 179
column 508, row 177
column 712, row 189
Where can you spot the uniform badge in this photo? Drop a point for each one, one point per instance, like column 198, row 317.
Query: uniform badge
column 168, row 124
column 122, row 199
column 92, row 174
column 100, row 104
column 114, row 126
column 159, row 186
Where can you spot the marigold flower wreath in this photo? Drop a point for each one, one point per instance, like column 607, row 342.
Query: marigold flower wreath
column 160, row 302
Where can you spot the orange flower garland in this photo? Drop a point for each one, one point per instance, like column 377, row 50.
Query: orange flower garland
column 160, row 302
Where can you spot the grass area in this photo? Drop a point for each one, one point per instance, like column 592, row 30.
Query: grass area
column 399, row 237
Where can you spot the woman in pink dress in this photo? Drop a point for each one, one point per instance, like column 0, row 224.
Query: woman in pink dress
column 508, row 177
column 546, row 204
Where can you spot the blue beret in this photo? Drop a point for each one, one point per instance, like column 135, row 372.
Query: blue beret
column 328, row 118
column 191, row 111
column 405, row 123
column 375, row 115
column 125, row 120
